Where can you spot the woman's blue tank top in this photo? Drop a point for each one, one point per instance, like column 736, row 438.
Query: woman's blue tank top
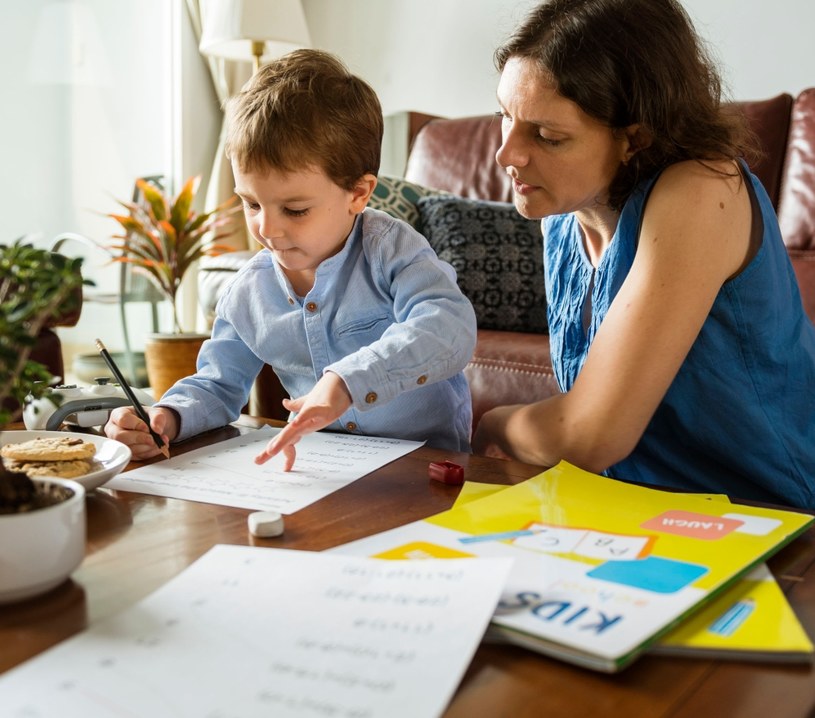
column 739, row 418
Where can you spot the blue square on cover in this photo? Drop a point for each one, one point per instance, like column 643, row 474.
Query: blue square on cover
column 660, row 575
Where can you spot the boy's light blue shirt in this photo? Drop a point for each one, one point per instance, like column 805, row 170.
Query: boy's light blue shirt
column 385, row 314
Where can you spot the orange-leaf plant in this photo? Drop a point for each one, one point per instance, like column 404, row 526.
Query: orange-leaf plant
column 163, row 237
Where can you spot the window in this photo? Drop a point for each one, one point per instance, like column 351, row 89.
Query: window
column 88, row 109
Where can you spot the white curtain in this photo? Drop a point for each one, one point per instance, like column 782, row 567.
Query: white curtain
column 227, row 78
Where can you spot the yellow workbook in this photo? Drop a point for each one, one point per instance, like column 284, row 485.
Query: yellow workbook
column 752, row 620
column 603, row 570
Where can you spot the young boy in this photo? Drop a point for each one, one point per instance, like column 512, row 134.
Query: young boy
column 365, row 326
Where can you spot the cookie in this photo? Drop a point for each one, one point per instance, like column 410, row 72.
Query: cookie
column 67, row 448
column 61, row 469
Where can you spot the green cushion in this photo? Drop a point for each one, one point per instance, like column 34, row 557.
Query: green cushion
column 399, row 198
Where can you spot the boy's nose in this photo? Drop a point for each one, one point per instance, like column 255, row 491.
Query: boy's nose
column 267, row 228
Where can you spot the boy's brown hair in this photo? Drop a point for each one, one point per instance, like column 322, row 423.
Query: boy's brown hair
column 306, row 110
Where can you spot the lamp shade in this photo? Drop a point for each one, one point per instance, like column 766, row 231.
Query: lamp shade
column 230, row 27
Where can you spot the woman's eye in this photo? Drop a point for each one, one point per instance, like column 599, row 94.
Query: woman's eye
column 549, row 141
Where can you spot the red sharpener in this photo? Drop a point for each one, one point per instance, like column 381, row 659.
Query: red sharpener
column 446, row 472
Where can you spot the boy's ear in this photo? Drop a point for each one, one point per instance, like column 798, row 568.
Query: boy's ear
column 362, row 192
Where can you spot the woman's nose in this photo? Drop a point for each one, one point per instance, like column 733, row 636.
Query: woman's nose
column 511, row 152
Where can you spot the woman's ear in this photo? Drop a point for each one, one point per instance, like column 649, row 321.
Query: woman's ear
column 362, row 192
column 637, row 138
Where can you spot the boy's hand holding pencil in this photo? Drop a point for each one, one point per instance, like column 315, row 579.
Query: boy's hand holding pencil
column 125, row 425
column 159, row 441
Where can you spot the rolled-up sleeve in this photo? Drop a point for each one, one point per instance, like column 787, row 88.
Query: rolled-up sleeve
column 433, row 333
column 216, row 393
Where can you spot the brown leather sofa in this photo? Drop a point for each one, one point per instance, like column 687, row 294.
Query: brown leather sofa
column 458, row 155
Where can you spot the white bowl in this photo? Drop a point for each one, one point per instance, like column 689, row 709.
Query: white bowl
column 40, row 549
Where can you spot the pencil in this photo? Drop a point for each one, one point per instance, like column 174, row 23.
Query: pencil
column 131, row 397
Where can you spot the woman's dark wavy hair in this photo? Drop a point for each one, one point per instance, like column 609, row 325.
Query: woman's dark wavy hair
column 635, row 61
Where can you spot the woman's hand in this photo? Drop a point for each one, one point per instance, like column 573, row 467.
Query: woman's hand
column 489, row 436
column 323, row 405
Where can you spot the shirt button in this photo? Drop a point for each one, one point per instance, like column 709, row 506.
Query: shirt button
column 422, row 379
column 311, row 306
column 351, row 426
column 371, row 397
column 291, row 301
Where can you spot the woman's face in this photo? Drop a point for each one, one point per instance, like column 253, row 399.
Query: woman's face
column 559, row 158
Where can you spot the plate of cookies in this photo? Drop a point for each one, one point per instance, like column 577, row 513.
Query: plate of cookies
column 88, row 459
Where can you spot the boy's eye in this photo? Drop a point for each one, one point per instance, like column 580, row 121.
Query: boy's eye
column 295, row 212
column 252, row 206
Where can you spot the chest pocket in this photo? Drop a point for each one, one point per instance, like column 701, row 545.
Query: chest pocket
column 372, row 324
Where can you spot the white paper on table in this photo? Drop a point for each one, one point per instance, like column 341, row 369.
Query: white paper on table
column 250, row 631
column 225, row 473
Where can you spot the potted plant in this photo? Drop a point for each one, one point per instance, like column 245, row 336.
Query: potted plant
column 42, row 521
column 162, row 238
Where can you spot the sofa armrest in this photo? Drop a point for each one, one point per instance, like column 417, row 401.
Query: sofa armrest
column 214, row 274
column 509, row 368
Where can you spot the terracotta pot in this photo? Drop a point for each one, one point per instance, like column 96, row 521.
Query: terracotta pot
column 170, row 357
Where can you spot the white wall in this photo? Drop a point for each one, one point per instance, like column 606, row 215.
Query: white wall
column 764, row 47
column 435, row 56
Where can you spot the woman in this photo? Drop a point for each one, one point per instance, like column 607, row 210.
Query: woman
column 677, row 331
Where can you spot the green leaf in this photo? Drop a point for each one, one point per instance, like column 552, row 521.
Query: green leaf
column 35, row 286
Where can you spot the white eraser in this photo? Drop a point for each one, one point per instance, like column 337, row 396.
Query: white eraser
column 265, row 524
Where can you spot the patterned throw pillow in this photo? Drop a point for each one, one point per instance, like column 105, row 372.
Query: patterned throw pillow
column 398, row 198
column 498, row 256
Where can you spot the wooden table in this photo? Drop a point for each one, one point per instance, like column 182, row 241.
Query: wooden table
column 137, row 542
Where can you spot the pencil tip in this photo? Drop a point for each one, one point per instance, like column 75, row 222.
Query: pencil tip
column 166, row 451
